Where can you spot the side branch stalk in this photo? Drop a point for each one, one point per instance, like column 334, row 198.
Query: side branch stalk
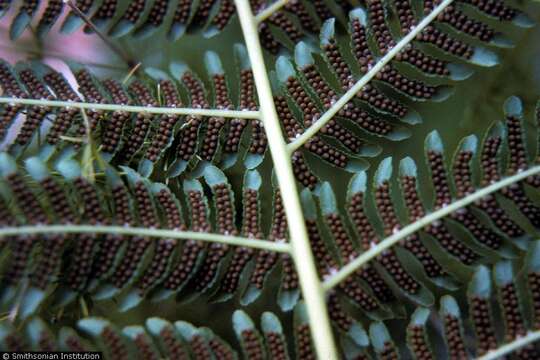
column 135, row 109
column 351, row 93
column 509, row 348
column 408, row 230
column 270, row 10
column 135, row 231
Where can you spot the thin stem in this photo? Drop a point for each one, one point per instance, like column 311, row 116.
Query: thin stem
column 512, row 346
column 312, row 291
column 136, row 109
column 116, row 49
column 270, row 10
column 351, row 93
column 135, row 231
column 131, row 73
column 363, row 259
column 14, row 312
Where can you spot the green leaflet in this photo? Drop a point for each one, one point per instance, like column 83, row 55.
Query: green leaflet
column 179, row 166
column 248, row 336
column 417, row 336
column 100, row 335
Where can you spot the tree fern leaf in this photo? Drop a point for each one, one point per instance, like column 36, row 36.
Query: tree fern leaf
column 4, row 7
column 202, row 13
column 496, row 9
column 301, row 12
column 462, row 23
column 164, row 254
column 410, row 193
column 364, row 230
column 90, row 88
column 250, row 229
column 35, row 115
column 73, row 21
column 41, row 338
column 345, row 323
column 324, row 255
column 65, row 118
column 326, row 261
column 390, row 260
column 22, row 248
column 274, row 338
column 106, row 11
column 382, row 342
column 509, row 301
column 530, row 268
column 11, row 87
column 193, row 127
column 281, row 22
column 199, row 348
column 48, row 261
column 10, row 339
column 70, row 341
column 159, row 338
column 248, row 335
column 298, row 94
column 479, row 293
column 310, row 113
column 155, row 19
column 114, row 246
column 289, row 291
column 220, row 348
column 138, row 248
column 434, row 154
column 86, row 246
column 130, row 18
column 453, row 328
column 302, row 170
column 246, row 101
column 411, row 88
column 193, row 252
column 180, row 20
column 221, row 19
column 304, row 347
column 413, row 56
column 83, row 179
column 352, row 351
column 168, row 338
column 225, row 222
column 327, row 96
column 216, row 126
column 113, row 134
column 490, row 165
column 26, row 12
column 417, row 338
column 269, row 41
column 362, row 53
column 518, row 160
column 464, row 185
column 110, row 340
column 141, row 128
column 49, row 17
column 143, row 343
column 266, row 260
column 344, row 245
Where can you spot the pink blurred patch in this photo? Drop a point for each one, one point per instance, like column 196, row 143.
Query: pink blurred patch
column 78, row 46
